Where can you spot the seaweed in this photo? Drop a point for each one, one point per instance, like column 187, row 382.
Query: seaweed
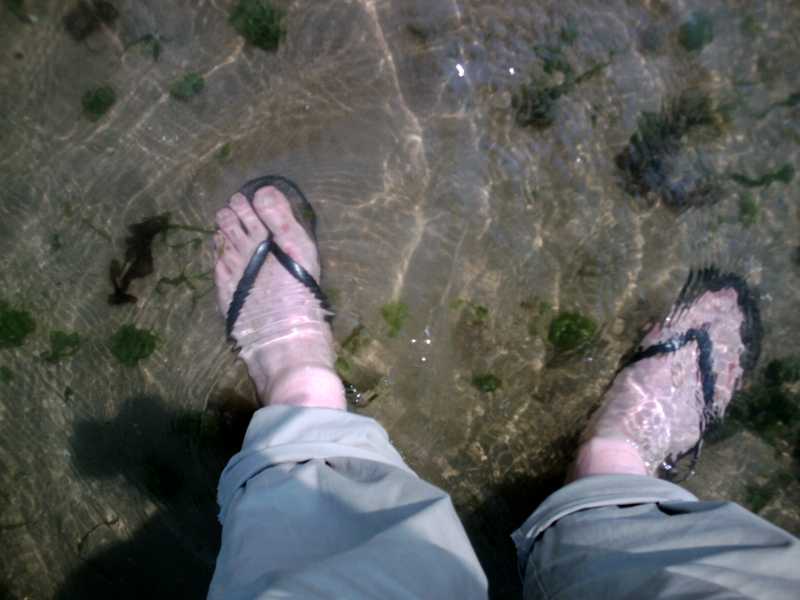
column 150, row 43
column 395, row 314
column 87, row 17
column 748, row 210
column 355, row 340
column 187, row 86
column 15, row 325
column 6, row 374
column 648, row 161
column 571, row 331
column 697, row 31
column 569, row 32
column 757, row 496
column 477, row 314
column 535, row 103
column 97, row 101
column 751, row 26
column 62, row 345
column 129, row 344
column 224, row 152
column 17, row 8
column 486, row 382
column 260, row 23
column 769, row 407
column 138, row 257
column 55, row 242
column 783, row 174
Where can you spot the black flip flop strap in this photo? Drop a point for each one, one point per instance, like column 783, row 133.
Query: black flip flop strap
column 708, row 379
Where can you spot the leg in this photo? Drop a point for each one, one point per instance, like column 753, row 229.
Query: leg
column 616, row 530
column 318, row 503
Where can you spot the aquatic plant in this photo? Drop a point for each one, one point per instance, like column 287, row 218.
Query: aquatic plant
column 149, row 43
column 86, row 17
column 535, row 103
column 769, row 406
column 15, row 325
column 648, row 162
column 486, row 382
column 138, row 257
column 6, row 374
column 187, row 86
column 62, row 345
column 97, row 101
column 569, row 32
column 395, row 315
column 260, row 23
column 224, row 153
column 571, row 331
column 17, row 8
column 748, row 210
column 697, row 31
column 751, row 26
column 477, row 314
column 783, row 174
column 355, row 340
column 129, row 344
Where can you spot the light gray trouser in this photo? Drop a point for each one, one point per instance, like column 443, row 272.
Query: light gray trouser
column 318, row 504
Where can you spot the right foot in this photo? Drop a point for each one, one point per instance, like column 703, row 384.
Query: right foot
column 284, row 338
column 655, row 410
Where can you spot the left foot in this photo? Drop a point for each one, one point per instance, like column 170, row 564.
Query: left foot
column 282, row 332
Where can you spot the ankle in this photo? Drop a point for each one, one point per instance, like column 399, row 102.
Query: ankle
column 607, row 456
column 309, row 384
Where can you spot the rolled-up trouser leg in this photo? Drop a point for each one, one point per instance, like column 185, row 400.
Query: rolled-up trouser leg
column 318, row 504
column 631, row 536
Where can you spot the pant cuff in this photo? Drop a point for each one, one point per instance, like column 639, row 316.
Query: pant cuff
column 281, row 434
column 594, row 492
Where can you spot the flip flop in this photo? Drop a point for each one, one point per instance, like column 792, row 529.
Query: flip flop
column 304, row 214
column 699, row 282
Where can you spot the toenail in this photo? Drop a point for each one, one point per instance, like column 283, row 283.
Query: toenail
column 266, row 194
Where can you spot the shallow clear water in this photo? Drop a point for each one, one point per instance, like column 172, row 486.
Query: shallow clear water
column 398, row 120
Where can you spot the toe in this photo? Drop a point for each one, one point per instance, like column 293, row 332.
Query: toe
column 232, row 229
column 275, row 211
column 252, row 224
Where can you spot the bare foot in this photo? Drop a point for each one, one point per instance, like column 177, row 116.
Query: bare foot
column 656, row 409
column 282, row 332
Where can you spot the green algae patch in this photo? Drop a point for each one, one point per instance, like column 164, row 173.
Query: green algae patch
column 571, row 331
column 486, row 382
column 62, row 345
column 98, row 101
column 129, row 344
column 15, row 325
column 355, row 340
column 260, row 23
column 783, row 174
column 187, row 87
column 6, row 374
column 477, row 314
column 771, row 406
column 748, row 210
column 224, row 152
column 17, row 8
column 395, row 315
column 149, row 44
column 697, row 32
